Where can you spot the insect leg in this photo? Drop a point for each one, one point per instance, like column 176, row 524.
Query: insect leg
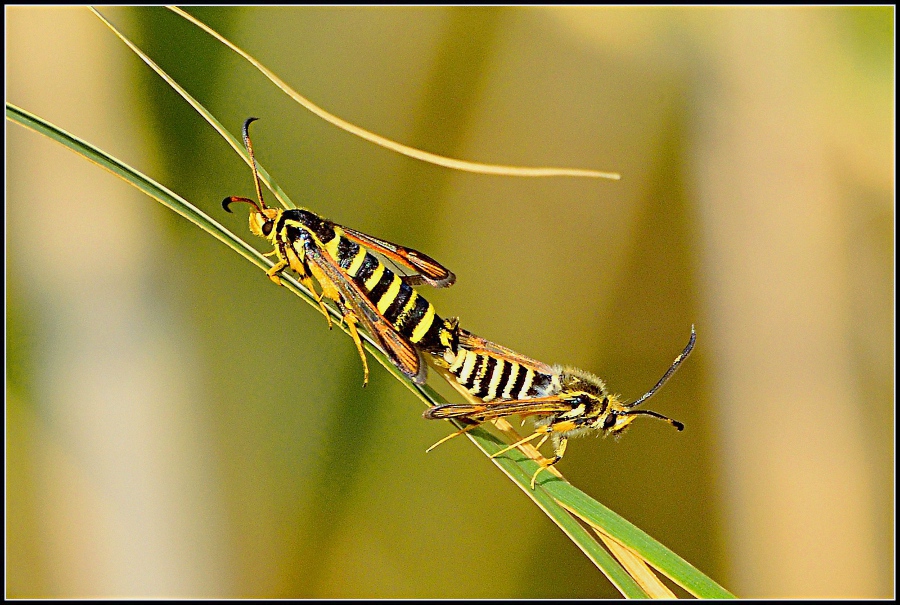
column 330, row 290
column 307, row 281
column 304, row 276
column 280, row 266
column 531, row 437
column 547, row 463
column 452, row 435
column 351, row 320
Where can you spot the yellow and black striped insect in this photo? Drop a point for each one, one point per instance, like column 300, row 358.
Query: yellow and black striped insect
column 567, row 401
column 364, row 289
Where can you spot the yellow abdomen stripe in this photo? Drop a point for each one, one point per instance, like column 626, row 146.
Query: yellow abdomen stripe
column 375, row 277
column 511, row 381
column 353, row 269
column 495, row 380
column 332, row 247
column 388, row 297
column 424, row 325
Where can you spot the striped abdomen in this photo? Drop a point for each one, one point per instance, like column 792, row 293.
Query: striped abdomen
column 409, row 312
column 489, row 377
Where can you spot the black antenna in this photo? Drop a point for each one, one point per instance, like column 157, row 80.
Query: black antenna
column 249, row 147
column 674, row 423
column 666, row 376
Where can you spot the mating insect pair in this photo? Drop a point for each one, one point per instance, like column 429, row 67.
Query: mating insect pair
column 343, row 262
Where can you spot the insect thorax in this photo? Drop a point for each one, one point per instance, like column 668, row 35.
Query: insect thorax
column 573, row 379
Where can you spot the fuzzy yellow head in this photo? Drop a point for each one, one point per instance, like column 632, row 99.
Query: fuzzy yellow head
column 262, row 223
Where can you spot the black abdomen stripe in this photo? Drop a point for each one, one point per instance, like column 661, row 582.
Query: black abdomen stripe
column 392, row 313
column 387, row 278
column 505, row 375
column 483, row 379
column 370, row 263
column 346, row 251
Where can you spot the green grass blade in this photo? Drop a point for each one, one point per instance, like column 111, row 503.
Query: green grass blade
column 520, row 469
column 667, row 562
column 237, row 145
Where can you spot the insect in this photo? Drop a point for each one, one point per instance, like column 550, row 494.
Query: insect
column 567, row 401
column 365, row 290
column 343, row 262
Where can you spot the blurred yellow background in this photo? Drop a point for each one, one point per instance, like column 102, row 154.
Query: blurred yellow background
column 179, row 426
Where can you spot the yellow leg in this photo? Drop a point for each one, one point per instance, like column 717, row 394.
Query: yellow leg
column 325, row 313
column 304, row 278
column 307, row 281
column 545, row 464
column 319, row 297
column 329, row 291
column 351, row 325
column 274, row 271
column 534, row 477
column 451, row 436
column 531, row 437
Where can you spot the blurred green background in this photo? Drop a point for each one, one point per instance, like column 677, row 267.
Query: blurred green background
column 179, row 426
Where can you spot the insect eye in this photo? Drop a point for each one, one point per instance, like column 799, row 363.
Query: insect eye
column 267, row 228
column 609, row 421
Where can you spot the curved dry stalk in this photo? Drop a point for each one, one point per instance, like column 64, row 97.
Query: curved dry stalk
column 412, row 152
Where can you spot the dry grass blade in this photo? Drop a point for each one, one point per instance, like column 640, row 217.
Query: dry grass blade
column 637, row 568
column 393, row 145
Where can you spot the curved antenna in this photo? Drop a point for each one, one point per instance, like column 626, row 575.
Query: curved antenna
column 249, row 146
column 666, row 376
column 243, row 200
column 674, row 423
